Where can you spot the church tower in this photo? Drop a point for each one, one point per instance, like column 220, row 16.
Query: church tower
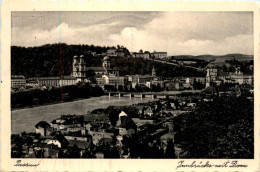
column 211, row 76
column 153, row 72
column 75, row 66
column 106, row 62
column 78, row 67
column 82, row 66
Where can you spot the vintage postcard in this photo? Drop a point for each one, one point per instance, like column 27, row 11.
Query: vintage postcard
column 129, row 86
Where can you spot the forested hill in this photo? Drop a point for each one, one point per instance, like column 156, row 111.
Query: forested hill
column 45, row 61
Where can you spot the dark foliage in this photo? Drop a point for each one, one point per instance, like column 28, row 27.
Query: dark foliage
column 66, row 93
column 219, row 129
column 133, row 66
column 45, row 61
column 244, row 66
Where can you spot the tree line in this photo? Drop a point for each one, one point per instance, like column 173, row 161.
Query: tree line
column 43, row 96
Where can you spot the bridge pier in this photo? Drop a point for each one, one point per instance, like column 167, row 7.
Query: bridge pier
column 128, row 95
column 143, row 95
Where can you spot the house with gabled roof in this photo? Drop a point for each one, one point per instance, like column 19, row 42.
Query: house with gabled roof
column 125, row 124
column 149, row 111
column 44, row 128
column 59, row 140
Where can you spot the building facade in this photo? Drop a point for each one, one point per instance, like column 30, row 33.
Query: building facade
column 55, row 81
column 211, row 76
column 159, row 55
column 18, row 81
column 79, row 69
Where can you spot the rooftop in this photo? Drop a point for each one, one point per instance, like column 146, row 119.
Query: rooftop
column 54, row 78
column 42, row 124
column 17, row 77
column 80, row 144
column 168, row 136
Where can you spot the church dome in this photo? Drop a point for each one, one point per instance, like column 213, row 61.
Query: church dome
column 106, row 58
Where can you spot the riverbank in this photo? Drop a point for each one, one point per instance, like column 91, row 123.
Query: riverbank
column 105, row 94
column 52, row 103
column 25, row 119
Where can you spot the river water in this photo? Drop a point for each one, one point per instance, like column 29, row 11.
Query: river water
column 26, row 119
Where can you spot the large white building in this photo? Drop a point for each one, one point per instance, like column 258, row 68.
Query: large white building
column 56, row 81
column 110, row 80
column 145, row 55
column 18, row 81
column 159, row 55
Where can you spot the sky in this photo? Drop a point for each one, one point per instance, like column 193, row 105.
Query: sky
column 177, row 33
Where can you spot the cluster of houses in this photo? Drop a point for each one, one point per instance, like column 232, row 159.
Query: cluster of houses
column 107, row 76
column 87, row 133
column 104, row 74
column 69, row 131
column 237, row 77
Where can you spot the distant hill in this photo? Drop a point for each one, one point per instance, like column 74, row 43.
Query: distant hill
column 239, row 57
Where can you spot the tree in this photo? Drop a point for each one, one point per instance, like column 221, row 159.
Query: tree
column 120, row 88
column 112, row 114
column 170, row 150
column 74, row 152
column 224, row 68
column 29, row 141
column 114, row 153
column 125, row 87
column 138, row 88
column 154, row 88
column 226, row 130
column 158, row 87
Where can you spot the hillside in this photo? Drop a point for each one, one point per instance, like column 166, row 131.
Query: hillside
column 207, row 57
column 45, row 61
column 132, row 66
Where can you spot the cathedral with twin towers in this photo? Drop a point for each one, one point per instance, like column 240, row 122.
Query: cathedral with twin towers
column 79, row 68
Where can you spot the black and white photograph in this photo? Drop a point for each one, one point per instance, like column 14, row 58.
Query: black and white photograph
column 132, row 84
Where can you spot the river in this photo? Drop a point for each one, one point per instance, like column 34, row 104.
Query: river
column 25, row 119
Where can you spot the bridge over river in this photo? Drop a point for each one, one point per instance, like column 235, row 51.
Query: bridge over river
column 153, row 95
